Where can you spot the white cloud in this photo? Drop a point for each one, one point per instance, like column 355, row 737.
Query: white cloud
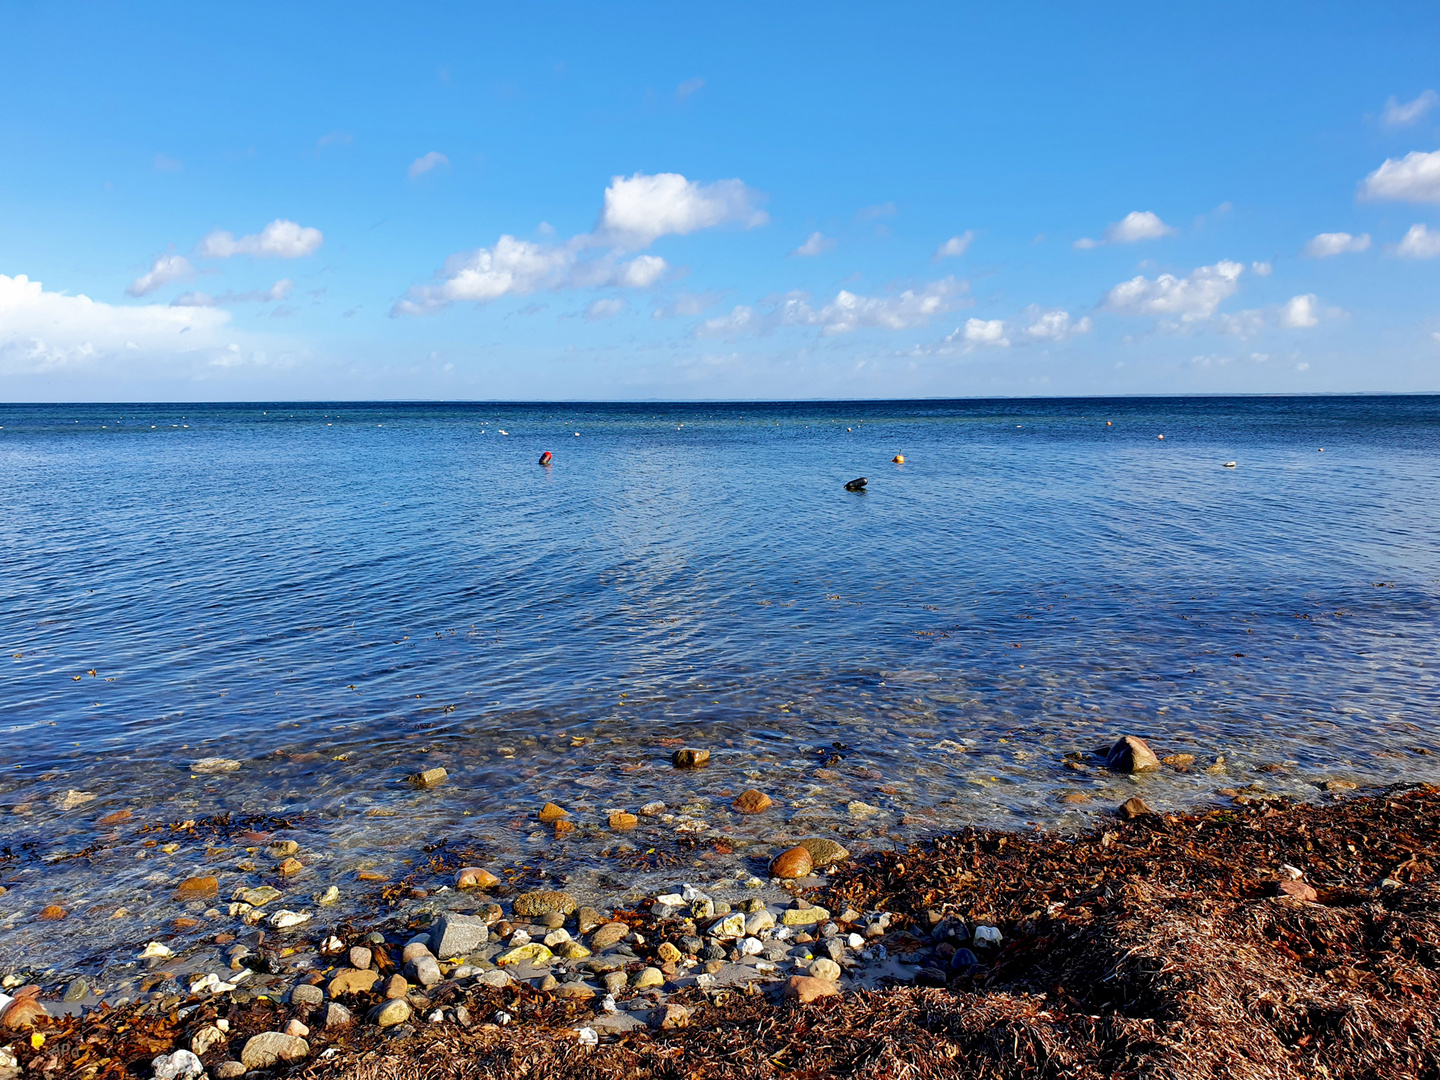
column 845, row 314
column 1397, row 115
column 43, row 331
column 423, row 164
column 986, row 332
column 1134, row 226
column 1413, row 178
column 1054, row 325
column 688, row 87
column 687, row 304
column 1262, row 269
column 637, row 211
column 280, row 239
column 1419, row 243
column 277, row 292
column 604, row 308
column 335, row 138
column 1336, row 243
column 641, row 209
column 1299, row 312
column 1188, row 298
column 815, row 244
column 165, row 269
column 956, row 245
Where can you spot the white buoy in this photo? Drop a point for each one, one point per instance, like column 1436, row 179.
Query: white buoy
column 1229, row 464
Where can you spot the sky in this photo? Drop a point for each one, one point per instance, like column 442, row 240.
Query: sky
column 548, row 201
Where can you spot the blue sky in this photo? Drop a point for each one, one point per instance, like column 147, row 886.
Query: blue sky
column 624, row 201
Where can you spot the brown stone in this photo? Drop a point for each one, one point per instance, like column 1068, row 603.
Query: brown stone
column 197, row 888
column 793, row 862
column 1074, row 797
column 52, row 913
column 623, row 822
column 116, row 818
column 396, row 988
column 690, row 759
column 670, row 1016
column 805, row 989
column 1132, row 755
column 551, row 812
column 370, row 875
column 1299, row 890
column 290, row 866
column 352, row 981
column 474, row 877
column 609, row 934
column 752, row 802
column 824, row 852
column 564, row 828
column 1131, row 809
column 531, row 905
column 429, row 778
column 1179, row 762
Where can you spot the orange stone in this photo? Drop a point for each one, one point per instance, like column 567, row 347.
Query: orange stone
column 116, row 818
column 564, row 828
column 806, row 988
column 475, row 877
column 623, row 822
column 792, row 863
column 551, row 812
column 184, row 924
column 290, row 866
column 53, row 913
column 752, row 802
column 197, row 888
column 370, row 875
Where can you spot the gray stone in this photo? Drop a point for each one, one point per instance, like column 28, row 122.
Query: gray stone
column 229, row 1070
column 393, row 1012
column 458, row 935
column 337, row 1015
column 360, row 957
column 494, row 978
column 424, row 970
column 270, row 1047
column 78, row 990
column 615, row 981
column 305, row 994
column 608, row 935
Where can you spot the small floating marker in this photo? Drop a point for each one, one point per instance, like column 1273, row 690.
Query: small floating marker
column 1229, row 464
column 1108, row 423
column 1160, row 437
column 546, row 458
column 858, row 484
column 502, row 431
column 898, row 459
column 1321, row 450
column 577, row 434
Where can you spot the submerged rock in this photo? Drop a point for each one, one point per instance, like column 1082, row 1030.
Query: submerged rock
column 534, row 904
column 752, row 802
column 792, row 863
column 690, row 759
column 1131, row 755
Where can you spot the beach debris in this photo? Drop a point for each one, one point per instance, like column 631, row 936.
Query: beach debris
column 793, row 862
column 858, row 484
column 546, row 458
column 588, row 1037
column 1131, row 755
column 1160, row 437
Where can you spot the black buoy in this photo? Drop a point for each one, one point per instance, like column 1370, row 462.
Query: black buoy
column 546, row 458
column 858, row 484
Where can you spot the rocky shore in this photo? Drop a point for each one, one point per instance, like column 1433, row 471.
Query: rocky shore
column 1259, row 939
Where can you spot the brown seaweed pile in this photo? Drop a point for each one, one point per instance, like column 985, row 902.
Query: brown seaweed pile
column 1164, row 947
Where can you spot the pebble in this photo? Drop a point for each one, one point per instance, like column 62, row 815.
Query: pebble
column 305, row 994
column 650, row 976
column 197, row 888
column 577, row 991
column 608, row 935
column 258, row 897
column 1131, row 755
column 270, row 1047
column 360, row 957
column 804, row 917
column 825, row 969
column 805, row 989
column 557, row 937
column 396, row 988
column 615, row 981
column 623, row 822
column 793, row 862
column 690, row 759
column 78, row 990
column 229, row 1070
column 550, row 812
column 296, row 1028
column 425, row 970
column 530, row 904
column 668, row 952
column 988, row 935
column 283, row 920
column 652, row 809
column 495, row 978
column 670, row 1016
column 394, row 1011
column 1074, row 798
column 474, row 877
column 752, row 802
column 52, row 913
column 281, row 848
column 290, row 866
column 587, row 919
column 824, row 852
column 1134, row 808
column 206, row 1038
column 552, row 920
column 1339, row 785
column 534, row 952
column 1179, row 762
column 429, row 778
column 180, row 1065
column 1299, row 890
column 337, row 1015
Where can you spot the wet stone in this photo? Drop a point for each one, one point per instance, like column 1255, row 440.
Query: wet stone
column 587, row 919
column 1131, row 755
column 1134, row 808
column 824, row 852
column 360, row 957
column 690, row 759
column 751, row 802
column 532, row 904
column 459, row 935
column 793, row 862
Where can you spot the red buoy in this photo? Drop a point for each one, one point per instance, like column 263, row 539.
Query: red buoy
column 546, row 458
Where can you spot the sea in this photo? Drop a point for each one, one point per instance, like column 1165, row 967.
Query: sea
column 334, row 597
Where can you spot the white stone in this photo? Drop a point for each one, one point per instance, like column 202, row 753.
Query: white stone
column 557, row 937
column 588, row 1037
column 180, row 1065
column 652, row 809
column 502, row 1018
column 855, row 941
column 987, row 935
column 690, row 894
column 751, row 947
column 283, row 920
column 518, row 938
column 154, row 951
column 607, row 1004
column 673, row 899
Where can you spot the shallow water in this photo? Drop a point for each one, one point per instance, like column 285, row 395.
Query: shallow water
column 339, row 595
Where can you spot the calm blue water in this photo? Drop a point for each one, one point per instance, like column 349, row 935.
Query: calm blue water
column 337, row 595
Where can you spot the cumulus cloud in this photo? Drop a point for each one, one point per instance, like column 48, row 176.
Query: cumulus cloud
column 426, row 162
column 1134, row 226
column 815, row 244
column 280, row 239
column 845, row 314
column 1419, row 243
column 604, row 308
column 165, row 269
column 1398, row 115
column 1336, row 243
column 638, row 210
column 985, row 332
column 277, row 292
column 687, row 304
column 956, row 245
column 1054, row 325
column 45, row 331
column 1186, row 299
column 1413, row 178
column 1299, row 312
column 1262, row 269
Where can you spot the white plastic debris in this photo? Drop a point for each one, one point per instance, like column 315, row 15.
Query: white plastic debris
column 155, row 951
column 1294, row 873
column 502, row 1018
column 332, row 944
column 588, row 1037
column 607, row 1004
column 987, row 935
